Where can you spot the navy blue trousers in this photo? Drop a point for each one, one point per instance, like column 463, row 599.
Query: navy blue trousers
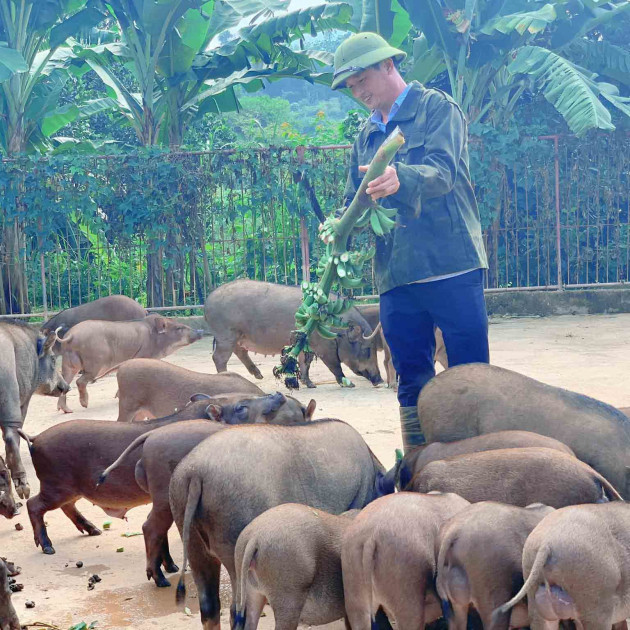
column 409, row 314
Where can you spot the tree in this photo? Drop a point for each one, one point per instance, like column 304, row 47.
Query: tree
column 492, row 51
column 33, row 62
column 186, row 66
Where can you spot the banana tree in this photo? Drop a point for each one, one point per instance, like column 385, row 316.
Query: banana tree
column 184, row 69
column 493, row 50
column 33, row 62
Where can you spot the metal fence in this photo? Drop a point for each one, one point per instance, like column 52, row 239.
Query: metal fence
column 168, row 228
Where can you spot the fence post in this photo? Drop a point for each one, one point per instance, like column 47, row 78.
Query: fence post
column 556, row 159
column 305, row 248
column 304, row 244
column 42, row 267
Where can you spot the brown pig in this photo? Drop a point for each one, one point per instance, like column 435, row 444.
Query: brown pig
column 577, row 567
column 414, row 461
column 113, row 308
column 479, row 562
column 70, row 457
column 162, row 449
column 149, row 388
column 95, row 348
column 246, row 315
column 388, row 557
column 518, row 476
column 235, row 475
column 307, row 589
column 477, row 398
column 8, row 617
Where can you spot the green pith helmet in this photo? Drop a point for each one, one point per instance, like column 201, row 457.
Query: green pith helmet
column 360, row 51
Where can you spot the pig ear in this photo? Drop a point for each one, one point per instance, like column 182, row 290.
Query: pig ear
column 44, row 345
column 160, row 324
column 198, row 397
column 355, row 332
column 214, row 412
column 310, row 410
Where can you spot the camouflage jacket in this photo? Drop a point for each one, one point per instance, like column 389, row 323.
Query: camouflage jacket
column 438, row 231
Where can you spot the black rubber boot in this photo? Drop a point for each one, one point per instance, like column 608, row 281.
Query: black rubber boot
column 410, row 427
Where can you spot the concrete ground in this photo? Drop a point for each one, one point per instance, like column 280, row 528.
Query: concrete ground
column 587, row 354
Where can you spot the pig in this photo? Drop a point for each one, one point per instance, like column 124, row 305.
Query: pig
column 576, row 564
column 96, row 348
column 479, row 562
column 8, row 509
column 307, row 589
column 518, row 476
column 419, row 457
column 164, row 448
column 70, row 457
column 27, row 367
column 259, row 316
column 372, row 315
column 113, row 308
column 8, row 617
column 153, row 388
column 388, row 558
column 474, row 399
column 237, row 474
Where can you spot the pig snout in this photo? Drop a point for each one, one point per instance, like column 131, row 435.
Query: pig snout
column 373, row 376
column 196, row 335
column 273, row 402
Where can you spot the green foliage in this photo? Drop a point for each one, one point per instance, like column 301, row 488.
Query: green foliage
column 493, row 53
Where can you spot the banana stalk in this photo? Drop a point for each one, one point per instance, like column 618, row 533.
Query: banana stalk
column 317, row 312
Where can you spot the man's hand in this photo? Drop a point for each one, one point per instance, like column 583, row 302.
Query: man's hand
column 383, row 186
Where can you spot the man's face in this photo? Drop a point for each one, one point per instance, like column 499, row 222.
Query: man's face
column 370, row 87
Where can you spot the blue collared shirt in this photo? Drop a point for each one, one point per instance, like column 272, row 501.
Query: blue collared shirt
column 376, row 114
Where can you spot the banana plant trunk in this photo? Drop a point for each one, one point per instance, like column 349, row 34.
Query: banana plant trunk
column 341, row 266
column 14, row 282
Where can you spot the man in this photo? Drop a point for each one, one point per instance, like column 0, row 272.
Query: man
column 430, row 267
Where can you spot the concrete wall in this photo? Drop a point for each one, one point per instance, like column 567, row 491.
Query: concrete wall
column 567, row 302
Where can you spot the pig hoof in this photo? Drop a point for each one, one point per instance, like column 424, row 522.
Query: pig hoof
column 49, row 550
column 94, row 531
column 171, row 568
column 22, row 488
column 162, row 582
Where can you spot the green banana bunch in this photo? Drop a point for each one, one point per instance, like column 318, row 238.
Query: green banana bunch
column 380, row 219
column 328, row 229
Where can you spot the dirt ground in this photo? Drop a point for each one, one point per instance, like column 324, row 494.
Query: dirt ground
column 587, row 354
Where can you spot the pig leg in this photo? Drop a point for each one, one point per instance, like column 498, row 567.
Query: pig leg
column 389, row 366
column 222, row 353
column 254, row 604
column 155, row 530
column 287, row 611
column 70, row 367
column 82, row 383
column 80, row 522
column 37, row 507
column 14, row 461
column 335, row 368
column 246, row 360
column 305, row 359
column 167, row 561
column 206, row 570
